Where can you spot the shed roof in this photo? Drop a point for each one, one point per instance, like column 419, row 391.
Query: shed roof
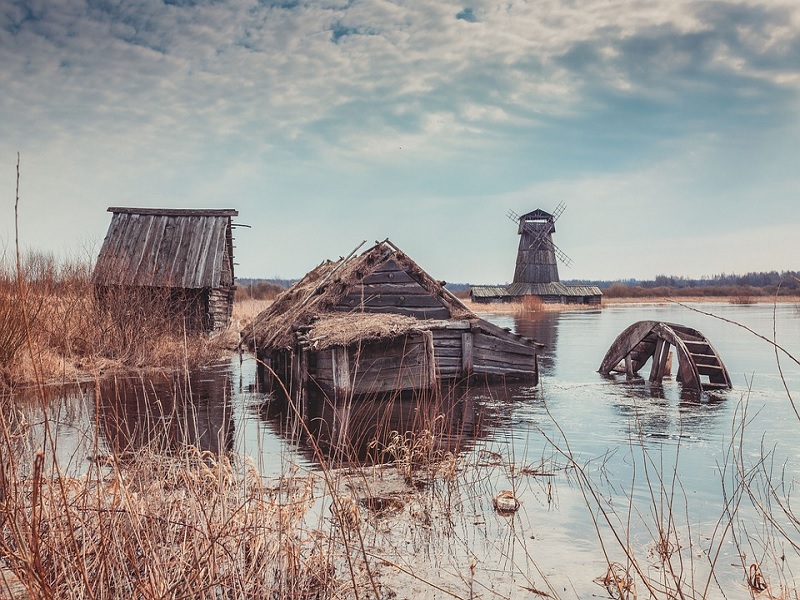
column 536, row 215
column 489, row 291
column 553, row 288
column 167, row 248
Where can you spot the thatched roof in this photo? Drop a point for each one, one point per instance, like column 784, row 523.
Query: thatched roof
column 342, row 329
column 190, row 249
column 316, row 303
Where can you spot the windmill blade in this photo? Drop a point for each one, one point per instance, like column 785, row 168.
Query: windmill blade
column 539, row 237
column 562, row 256
column 559, row 209
column 538, row 234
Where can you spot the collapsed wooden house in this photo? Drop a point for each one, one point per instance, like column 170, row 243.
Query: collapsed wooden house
column 699, row 366
column 178, row 260
column 376, row 322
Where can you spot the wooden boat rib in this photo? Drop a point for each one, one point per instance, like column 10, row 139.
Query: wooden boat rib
column 699, row 365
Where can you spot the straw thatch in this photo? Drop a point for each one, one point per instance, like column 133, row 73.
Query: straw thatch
column 343, row 329
column 315, row 303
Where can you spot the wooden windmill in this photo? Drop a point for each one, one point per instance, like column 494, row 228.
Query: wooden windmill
column 537, row 255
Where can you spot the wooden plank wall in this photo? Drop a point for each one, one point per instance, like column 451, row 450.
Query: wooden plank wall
column 447, row 348
column 492, row 355
column 403, row 364
column 390, row 289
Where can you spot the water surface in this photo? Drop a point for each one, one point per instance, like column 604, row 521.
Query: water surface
column 630, row 453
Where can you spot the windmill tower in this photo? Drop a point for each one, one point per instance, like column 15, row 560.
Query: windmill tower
column 537, row 254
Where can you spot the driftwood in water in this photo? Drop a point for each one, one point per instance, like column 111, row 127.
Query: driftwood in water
column 699, row 365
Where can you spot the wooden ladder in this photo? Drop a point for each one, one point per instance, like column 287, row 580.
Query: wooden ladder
column 705, row 359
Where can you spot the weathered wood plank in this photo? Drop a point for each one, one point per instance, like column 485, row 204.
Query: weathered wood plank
column 480, row 361
column 501, row 371
column 448, row 352
column 400, row 289
column 388, row 276
column 494, row 344
column 418, row 313
column 467, row 347
column 390, row 300
column 177, row 212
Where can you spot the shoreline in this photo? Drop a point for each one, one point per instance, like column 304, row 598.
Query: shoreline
column 51, row 369
column 504, row 308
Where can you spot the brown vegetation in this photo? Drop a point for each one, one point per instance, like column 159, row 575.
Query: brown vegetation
column 52, row 326
column 714, row 292
column 190, row 526
column 261, row 290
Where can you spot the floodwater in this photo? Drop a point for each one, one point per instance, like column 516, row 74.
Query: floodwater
column 655, row 469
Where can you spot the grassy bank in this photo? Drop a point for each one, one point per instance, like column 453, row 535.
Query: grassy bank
column 53, row 328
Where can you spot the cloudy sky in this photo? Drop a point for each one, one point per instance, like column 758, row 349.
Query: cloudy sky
column 669, row 128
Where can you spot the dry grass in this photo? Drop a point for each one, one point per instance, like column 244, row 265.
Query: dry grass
column 527, row 306
column 192, row 526
column 244, row 311
column 66, row 333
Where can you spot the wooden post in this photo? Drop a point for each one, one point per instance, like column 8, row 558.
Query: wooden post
column 629, row 366
column 655, row 368
column 466, row 353
column 430, row 361
column 342, row 384
column 299, row 378
column 342, row 397
column 665, row 366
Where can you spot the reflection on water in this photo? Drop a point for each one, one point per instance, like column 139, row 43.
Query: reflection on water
column 376, row 428
column 167, row 412
column 220, row 409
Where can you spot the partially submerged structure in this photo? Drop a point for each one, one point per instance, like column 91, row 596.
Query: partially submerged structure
column 699, row 366
column 376, row 322
column 536, row 272
column 181, row 260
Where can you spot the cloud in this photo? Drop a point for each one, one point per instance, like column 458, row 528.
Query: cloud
column 430, row 111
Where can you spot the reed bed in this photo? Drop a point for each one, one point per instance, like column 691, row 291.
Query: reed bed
column 192, row 526
column 53, row 327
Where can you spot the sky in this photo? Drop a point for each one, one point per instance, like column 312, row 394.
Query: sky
column 670, row 129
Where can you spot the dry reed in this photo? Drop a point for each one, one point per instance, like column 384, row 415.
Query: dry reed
column 188, row 526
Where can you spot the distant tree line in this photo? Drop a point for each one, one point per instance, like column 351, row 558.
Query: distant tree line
column 768, row 283
column 261, row 289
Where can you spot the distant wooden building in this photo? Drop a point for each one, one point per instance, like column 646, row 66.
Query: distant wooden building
column 376, row 323
column 536, row 271
column 182, row 257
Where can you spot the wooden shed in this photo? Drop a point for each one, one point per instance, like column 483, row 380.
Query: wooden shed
column 182, row 256
column 375, row 323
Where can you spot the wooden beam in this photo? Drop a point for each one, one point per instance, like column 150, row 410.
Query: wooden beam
column 342, row 383
column 175, row 212
column 466, row 353
column 655, row 367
